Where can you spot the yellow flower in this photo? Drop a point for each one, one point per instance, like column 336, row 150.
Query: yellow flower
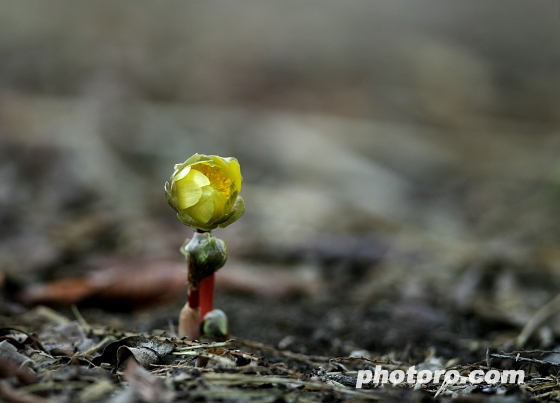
column 204, row 190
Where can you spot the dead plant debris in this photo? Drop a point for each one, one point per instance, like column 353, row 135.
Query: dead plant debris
column 78, row 362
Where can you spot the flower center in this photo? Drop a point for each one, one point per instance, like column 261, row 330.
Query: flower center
column 218, row 180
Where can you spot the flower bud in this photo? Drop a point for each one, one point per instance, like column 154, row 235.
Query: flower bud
column 204, row 190
column 215, row 324
column 205, row 254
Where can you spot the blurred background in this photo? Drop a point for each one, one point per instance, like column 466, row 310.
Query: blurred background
column 401, row 164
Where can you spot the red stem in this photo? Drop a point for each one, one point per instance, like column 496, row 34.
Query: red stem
column 194, row 295
column 206, row 295
column 194, row 298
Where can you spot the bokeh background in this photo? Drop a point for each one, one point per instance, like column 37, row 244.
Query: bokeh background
column 400, row 161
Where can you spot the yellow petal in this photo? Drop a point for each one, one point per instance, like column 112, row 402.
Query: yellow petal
column 181, row 173
column 204, row 209
column 197, row 158
column 231, row 169
column 189, row 189
column 235, row 170
column 220, row 162
column 219, row 200
column 204, row 190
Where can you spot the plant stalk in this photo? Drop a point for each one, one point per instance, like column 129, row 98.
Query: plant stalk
column 194, row 298
column 206, row 295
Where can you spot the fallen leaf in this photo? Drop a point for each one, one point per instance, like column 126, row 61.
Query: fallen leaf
column 132, row 284
column 10, row 354
column 137, row 284
column 147, row 387
column 9, row 394
column 144, row 350
column 67, row 337
column 8, row 369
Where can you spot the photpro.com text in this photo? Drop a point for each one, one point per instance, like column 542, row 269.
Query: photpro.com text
column 413, row 376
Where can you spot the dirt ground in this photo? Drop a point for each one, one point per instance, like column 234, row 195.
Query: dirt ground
column 401, row 177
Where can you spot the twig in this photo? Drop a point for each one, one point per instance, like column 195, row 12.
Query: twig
column 312, row 360
column 83, row 323
column 185, row 350
column 441, row 389
column 541, row 352
column 537, row 320
column 523, row 359
column 234, row 379
column 102, row 332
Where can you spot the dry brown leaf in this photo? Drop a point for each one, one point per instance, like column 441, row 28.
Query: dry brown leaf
column 60, row 292
column 8, row 369
column 12, row 395
column 136, row 284
column 145, row 386
column 132, row 284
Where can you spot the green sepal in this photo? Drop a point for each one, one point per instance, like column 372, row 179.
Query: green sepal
column 205, row 254
column 236, row 213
